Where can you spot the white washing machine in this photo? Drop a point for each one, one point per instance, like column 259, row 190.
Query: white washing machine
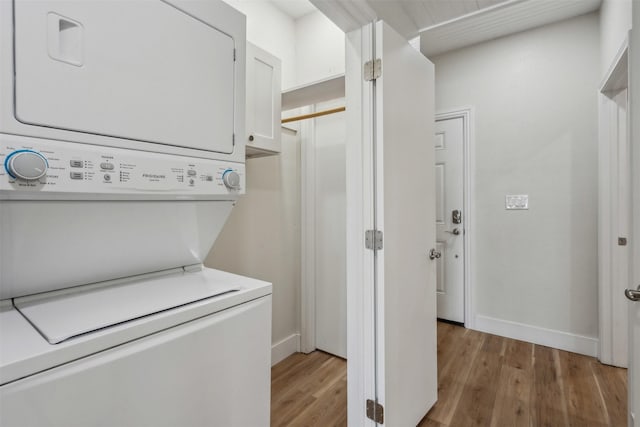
column 119, row 167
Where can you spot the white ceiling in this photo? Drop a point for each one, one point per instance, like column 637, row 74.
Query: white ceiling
column 444, row 25
column 294, row 8
column 506, row 18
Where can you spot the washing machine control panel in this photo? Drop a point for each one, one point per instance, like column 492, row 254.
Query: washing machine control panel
column 29, row 165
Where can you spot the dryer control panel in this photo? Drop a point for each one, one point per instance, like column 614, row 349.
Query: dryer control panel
column 32, row 167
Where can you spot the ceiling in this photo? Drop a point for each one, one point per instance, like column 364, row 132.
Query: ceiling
column 294, row 8
column 445, row 25
column 503, row 19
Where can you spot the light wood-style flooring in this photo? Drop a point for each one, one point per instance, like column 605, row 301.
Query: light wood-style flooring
column 484, row 380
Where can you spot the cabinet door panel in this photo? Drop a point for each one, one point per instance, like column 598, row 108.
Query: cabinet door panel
column 263, row 101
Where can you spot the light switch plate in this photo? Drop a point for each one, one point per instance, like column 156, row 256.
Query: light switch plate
column 520, row 201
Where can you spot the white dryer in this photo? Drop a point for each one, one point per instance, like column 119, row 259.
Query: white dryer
column 118, row 168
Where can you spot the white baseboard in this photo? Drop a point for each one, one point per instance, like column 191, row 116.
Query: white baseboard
column 548, row 337
column 285, row 348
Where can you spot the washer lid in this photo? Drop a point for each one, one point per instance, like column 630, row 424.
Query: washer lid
column 61, row 315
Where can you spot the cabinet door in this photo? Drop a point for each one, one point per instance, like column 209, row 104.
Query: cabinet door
column 263, row 102
column 139, row 70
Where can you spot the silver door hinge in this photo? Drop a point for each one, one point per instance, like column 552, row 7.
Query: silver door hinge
column 233, row 139
column 373, row 239
column 375, row 411
column 234, row 54
column 372, row 69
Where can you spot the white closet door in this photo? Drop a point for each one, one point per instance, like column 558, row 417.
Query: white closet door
column 141, row 70
column 390, row 188
column 329, row 142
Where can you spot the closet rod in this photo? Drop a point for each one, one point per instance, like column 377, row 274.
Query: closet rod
column 312, row 115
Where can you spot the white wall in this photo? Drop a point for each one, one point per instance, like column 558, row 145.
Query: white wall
column 273, row 31
column 319, row 48
column 262, row 236
column 615, row 22
column 534, row 95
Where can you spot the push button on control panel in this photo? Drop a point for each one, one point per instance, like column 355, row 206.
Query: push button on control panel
column 107, row 177
column 75, row 163
column 76, row 175
column 107, row 166
column 191, row 172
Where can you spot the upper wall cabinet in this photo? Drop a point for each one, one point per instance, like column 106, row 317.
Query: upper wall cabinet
column 263, row 102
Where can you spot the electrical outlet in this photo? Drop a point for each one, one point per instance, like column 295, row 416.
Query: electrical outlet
column 520, row 201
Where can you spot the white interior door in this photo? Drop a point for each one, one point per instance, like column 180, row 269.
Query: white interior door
column 391, row 284
column 634, row 307
column 328, row 142
column 449, row 152
column 404, row 201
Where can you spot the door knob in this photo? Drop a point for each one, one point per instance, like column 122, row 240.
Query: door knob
column 455, row 231
column 433, row 254
column 632, row 295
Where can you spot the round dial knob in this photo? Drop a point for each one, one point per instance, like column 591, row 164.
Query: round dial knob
column 231, row 179
column 28, row 165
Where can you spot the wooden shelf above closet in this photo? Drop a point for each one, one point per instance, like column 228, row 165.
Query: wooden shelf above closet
column 313, row 93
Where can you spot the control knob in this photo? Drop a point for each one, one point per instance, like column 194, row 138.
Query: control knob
column 231, row 179
column 27, row 165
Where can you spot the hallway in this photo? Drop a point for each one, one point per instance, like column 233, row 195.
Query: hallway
column 484, row 380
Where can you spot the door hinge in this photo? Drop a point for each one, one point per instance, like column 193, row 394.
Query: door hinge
column 234, row 54
column 233, row 139
column 373, row 239
column 375, row 411
column 372, row 70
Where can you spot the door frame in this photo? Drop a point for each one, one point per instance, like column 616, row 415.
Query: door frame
column 467, row 113
column 609, row 313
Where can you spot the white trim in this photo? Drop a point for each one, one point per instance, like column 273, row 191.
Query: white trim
column 548, row 337
column 467, row 114
column 285, row 348
column 359, row 164
column 308, row 235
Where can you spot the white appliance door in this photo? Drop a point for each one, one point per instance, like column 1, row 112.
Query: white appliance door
column 214, row 371
column 391, row 180
column 160, row 75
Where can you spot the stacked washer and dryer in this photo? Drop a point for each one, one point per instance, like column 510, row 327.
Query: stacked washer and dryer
column 121, row 128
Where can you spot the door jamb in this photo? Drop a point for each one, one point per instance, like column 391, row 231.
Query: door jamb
column 467, row 113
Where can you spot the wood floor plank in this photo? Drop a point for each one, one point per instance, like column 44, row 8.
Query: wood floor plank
column 614, row 391
column 483, row 380
column 512, row 406
column 327, row 410
column 453, row 377
column 475, row 407
column 584, row 404
column 548, row 401
column 519, row 354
